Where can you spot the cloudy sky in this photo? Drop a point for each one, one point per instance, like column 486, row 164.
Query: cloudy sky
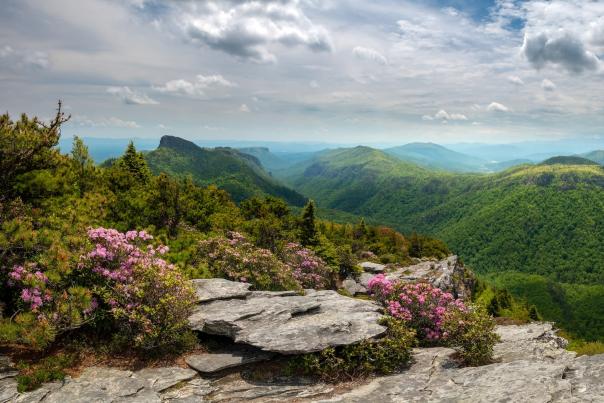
column 348, row 71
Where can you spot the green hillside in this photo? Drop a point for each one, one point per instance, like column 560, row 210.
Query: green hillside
column 545, row 220
column 438, row 157
column 568, row 160
column 240, row 174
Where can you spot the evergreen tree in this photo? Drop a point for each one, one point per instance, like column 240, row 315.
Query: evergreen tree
column 83, row 165
column 308, row 229
column 134, row 163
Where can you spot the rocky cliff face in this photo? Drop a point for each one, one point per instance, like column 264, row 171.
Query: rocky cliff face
column 533, row 367
column 532, row 364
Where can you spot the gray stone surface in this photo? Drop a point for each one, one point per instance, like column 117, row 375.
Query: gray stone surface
column 373, row 267
column 233, row 388
column 533, row 367
column 217, row 288
column 447, row 274
column 353, row 287
column 160, row 379
column 290, row 324
column 209, row 363
column 537, row 341
column 531, row 372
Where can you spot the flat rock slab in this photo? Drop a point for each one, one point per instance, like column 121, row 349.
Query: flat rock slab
column 290, row 324
column 216, row 288
column 373, row 267
column 217, row 361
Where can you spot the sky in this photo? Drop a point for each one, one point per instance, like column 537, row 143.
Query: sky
column 341, row 71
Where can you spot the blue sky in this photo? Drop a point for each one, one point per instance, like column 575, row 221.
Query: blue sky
column 344, row 71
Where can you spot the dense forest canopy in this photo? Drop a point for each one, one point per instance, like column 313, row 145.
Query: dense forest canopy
column 534, row 220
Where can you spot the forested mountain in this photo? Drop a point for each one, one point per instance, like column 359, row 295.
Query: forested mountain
column 568, row 160
column 432, row 155
column 545, row 221
column 242, row 175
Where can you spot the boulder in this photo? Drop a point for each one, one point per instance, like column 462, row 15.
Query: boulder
column 353, row 287
column 447, row 274
column 209, row 363
column 373, row 267
column 290, row 324
column 217, row 288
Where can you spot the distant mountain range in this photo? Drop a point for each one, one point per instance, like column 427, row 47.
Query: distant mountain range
column 539, row 224
column 240, row 174
column 438, row 157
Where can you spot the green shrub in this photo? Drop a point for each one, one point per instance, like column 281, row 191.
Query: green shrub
column 235, row 258
column 46, row 370
column 471, row 333
column 383, row 356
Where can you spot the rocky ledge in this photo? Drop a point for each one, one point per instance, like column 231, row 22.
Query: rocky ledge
column 448, row 274
column 533, row 367
column 284, row 322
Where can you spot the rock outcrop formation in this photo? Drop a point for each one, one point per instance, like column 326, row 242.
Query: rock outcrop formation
column 448, row 274
column 284, row 322
column 533, row 367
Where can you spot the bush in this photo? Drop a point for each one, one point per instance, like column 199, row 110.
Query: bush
column 307, row 268
column 120, row 281
column 149, row 300
column 438, row 318
column 237, row 259
column 383, row 356
column 471, row 333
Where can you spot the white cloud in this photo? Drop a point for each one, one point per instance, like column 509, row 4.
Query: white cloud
column 497, row 107
column 313, row 84
column 515, row 80
column 369, row 54
column 548, row 85
column 131, row 97
column 244, row 108
column 445, row 116
column 83, row 120
column 196, row 88
column 248, row 29
column 19, row 59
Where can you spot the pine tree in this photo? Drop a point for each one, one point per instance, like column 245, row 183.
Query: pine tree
column 308, row 229
column 83, row 165
column 134, row 163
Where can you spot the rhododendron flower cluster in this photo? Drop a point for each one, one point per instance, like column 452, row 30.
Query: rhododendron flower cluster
column 422, row 306
column 33, row 285
column 237, row 259
column 148, row 297
column 308, row 269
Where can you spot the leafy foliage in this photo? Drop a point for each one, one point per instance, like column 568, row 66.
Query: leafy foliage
column 384, row 356
column 438, row 318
